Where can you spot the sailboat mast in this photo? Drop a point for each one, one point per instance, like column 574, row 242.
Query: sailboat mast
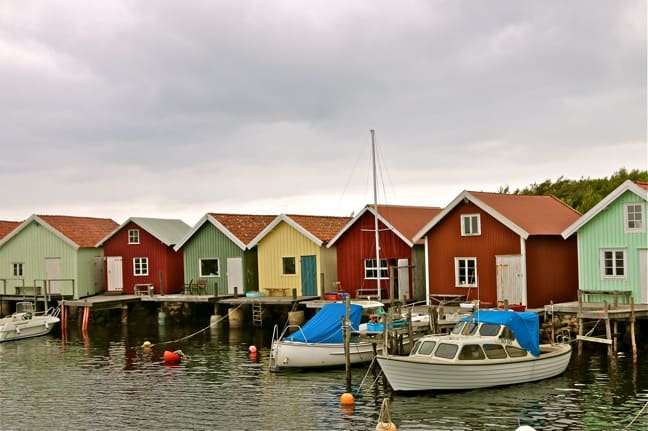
column 375, row 193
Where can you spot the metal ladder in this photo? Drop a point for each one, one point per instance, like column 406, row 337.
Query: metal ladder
column 257, row 313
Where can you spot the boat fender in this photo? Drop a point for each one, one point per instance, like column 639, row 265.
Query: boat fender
column 46, row 325
column 17, row 330
column 386, row 426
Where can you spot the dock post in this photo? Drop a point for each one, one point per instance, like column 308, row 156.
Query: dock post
column 608, row 330
column 294, row 294
column 347, row 341
column 580, row 322
column 124, row 314
column 632, row 330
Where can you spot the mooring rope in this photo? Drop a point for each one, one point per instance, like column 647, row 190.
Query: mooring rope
column 199, row 331
column 636, row 416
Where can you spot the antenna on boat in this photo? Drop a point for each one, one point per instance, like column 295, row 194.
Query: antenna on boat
column 375, row 193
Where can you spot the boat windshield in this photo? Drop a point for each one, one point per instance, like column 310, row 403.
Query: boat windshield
column 24, row 307
column 423, row 348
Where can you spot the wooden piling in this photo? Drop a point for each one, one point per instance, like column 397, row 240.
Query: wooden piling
column 608, row 330
column 632, row 330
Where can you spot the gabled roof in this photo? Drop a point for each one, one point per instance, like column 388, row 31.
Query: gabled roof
column 318, row 229
column 7, row 226
column 404, row 221
column 78, row 232
column 525, row 215
column 239, row 228
column 639, row 188
column 168, row 231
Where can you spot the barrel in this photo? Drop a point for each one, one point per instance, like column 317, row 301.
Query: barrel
column 235, row 317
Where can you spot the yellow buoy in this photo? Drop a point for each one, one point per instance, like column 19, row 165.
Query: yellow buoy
column 146, row 344
column 347, row 399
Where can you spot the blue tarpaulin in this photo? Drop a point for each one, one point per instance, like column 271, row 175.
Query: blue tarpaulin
column 326, row 325
column 525, row 325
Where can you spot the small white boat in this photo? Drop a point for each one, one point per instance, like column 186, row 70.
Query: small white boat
column 492, row 348
column 319, row 343
column 27, row 323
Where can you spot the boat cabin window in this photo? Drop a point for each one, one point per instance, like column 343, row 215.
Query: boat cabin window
column 494, row 351
column 515, row 352
column 489, row 329
column 507, row 334
column 425, row 348
column 445, row 350
column 471, row 352
column 465, row 328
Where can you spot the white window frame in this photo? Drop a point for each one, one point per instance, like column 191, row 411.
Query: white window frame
column 133, row 236
column 18, row 269
column 457, row 261
column 638, row 217
column 140, row 266
column 370, row 268
column 283, row 266
column 615, row 269
column 470, row 217
column 200, row 267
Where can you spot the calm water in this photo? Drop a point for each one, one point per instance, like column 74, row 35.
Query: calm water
column 107, row 381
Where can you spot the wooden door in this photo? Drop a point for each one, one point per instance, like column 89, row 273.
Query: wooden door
column 234, row 275
column 510, row 280
column 53, row 274
column 403, row 279
column 115, row 275
column 309, row 275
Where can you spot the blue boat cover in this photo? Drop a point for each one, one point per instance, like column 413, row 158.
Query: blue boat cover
column 524, row 324
column 326, row 325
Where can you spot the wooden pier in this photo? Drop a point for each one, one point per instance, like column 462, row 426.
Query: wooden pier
column 621, row 309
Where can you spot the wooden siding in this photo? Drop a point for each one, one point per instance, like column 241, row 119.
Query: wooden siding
column 357, row 244
column 210, row 243
column 606, row 230
column 284, row 241
column 31, row 247
column 445, row 243
column 164, row 264
column 551, row 270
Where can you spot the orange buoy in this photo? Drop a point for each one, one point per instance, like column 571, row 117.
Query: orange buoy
column 252, row 349
column 171, row 357
column 347, row 399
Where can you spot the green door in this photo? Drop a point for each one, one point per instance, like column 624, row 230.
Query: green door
column 308, row 276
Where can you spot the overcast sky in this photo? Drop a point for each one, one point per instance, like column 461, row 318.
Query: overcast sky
column 173, row 109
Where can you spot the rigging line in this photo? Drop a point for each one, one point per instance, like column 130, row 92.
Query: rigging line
column 636, row 416
column 186, row 337
column 346, row 187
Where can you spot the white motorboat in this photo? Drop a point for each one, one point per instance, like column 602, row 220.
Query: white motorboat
column 320, row 343
column 26, row 322
column 491, row 348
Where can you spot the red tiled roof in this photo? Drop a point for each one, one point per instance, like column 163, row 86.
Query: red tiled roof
column 7, row 226
column 83, row 231
column 408, row 220
column 244, row 226
column 537, row 215
column 323, row 227
column 642, row 184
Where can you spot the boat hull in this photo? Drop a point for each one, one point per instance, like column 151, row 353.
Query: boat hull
column 406, row 373
column 291, row 354
column 12, row 329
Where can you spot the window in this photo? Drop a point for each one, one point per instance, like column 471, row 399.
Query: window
column 634, row 218
column 465, row 271
column 446, row 351
column 471, row 352
column 133, row 236
column 371, row 271
column 209, row 268
column 425, row 348
column 515, row 352
column 613, row 263
column 489, row 329
column 288, row 265
column 140, row 266
column 494, row 351
column 470, row 225
column 18, row 269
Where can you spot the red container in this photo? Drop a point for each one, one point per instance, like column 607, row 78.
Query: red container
column 518, row 307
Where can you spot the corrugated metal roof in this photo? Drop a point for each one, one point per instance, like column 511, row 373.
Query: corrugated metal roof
column 168, row 231
column 408, row 220
column 83, row 231
column 7, row 226
column 537, row 215
column 244, row 226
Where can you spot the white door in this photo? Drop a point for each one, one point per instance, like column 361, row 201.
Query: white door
column 115, row 276
column 53, row 272
column 643, row 274
column 234, row 275
column 403, row 279
column 510, row 280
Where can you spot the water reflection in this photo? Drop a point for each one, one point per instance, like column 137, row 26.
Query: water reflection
column 105, row 379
